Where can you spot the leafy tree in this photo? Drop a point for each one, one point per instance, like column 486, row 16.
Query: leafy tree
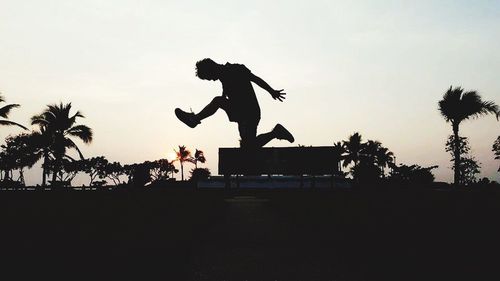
column 139, row 174
column 4, row 114
column 7, row 161
column 198, row 174
column 413, row 174
column 160, row 170
column 128, row 170
column 457, row 106
column 28, row 154
column 173, row 170
column 70, row 168
column 113, row 172
column 468, row 166
column 17, row 153
column 57, row 127
column 485, row 182
column 95, row 167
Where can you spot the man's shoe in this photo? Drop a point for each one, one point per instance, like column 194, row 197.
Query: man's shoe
column 282, row 133
column 188, row 118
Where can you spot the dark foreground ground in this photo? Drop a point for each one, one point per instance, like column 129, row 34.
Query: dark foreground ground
column 264, row 235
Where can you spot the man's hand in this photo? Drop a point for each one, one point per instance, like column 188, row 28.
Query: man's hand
column 278, row 95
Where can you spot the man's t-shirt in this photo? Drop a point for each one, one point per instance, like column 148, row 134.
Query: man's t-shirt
column 237, row 87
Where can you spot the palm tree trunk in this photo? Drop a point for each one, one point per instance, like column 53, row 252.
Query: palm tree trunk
column 21, row 176
column 54, row 176
column 456, row 176
column 354, row 177
column 57, row 160
column 44, row 167
column 182, row 172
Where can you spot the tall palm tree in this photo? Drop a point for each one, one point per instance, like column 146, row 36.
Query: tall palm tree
column 57, row 127
column 339, row 150
column 4, row 113
column 457, row 106
column 183, row 155
column 353, row 147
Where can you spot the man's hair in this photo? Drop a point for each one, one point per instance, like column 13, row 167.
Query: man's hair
column 205, row 68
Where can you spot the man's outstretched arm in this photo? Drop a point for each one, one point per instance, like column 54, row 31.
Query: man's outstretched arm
column 276, row 94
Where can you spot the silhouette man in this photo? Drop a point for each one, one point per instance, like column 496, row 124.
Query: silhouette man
column 238, row 100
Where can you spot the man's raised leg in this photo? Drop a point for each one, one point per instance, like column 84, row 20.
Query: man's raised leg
column 192, row 120
column 212, row 107
column 279, row 132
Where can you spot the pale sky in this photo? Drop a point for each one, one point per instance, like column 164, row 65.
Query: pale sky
column 375, row 67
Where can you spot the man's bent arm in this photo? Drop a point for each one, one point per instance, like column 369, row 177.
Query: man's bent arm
column 276, row 94
column 257, row 80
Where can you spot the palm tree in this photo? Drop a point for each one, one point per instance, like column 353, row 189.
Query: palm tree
column 353, row 147
column 199, row 156
column 57, row 127
column 183, row 155
column 339, row 150
column 384, row 158
column 4, row 113
column 496, row 149
column 41, row 143
column 369, row 151
column 457, row 106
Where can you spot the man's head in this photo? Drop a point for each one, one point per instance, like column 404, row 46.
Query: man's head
column 207, row 69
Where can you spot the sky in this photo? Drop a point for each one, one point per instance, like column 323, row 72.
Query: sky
column 374, row 67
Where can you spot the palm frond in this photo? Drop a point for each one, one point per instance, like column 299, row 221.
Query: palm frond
column 449, row 106
column 4, row 111
column 81, row 131
column 77, row 114
column 70, row 144
column 39, row 120
column 458, row 105
column 11, row 123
